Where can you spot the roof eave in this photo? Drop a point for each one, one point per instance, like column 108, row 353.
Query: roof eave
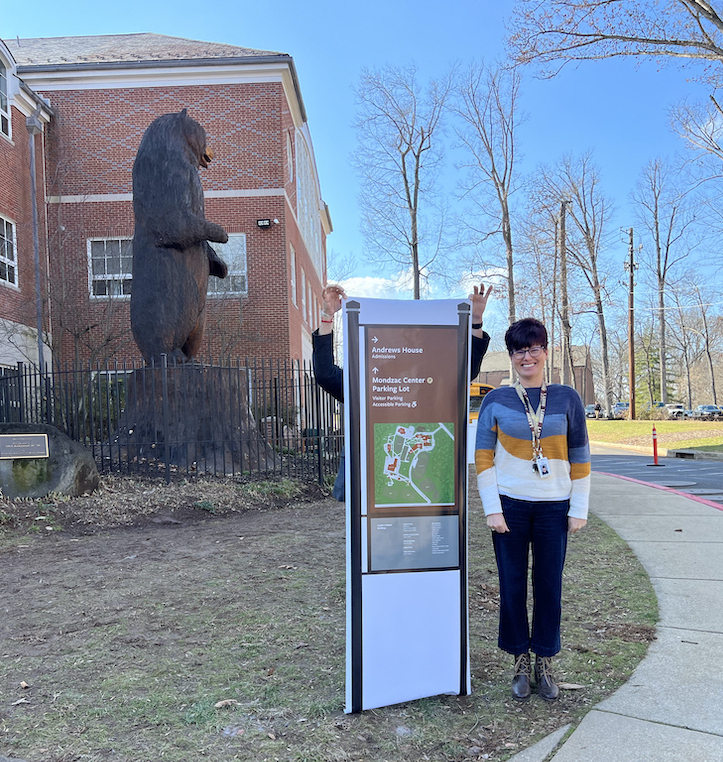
column 172, row 63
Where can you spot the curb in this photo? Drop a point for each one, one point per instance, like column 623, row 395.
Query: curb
column 662, row 452
column 645, row 449
column 695, row 454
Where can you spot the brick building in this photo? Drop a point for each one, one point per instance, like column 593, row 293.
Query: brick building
column 23, row 119
column 97, row 96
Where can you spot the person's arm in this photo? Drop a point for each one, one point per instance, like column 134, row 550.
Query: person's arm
column 578, row 453
column 479, row 350
column 484, row 458
column 480, row 339
column 328, row 375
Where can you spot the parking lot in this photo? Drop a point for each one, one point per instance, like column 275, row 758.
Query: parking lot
column 699, row 478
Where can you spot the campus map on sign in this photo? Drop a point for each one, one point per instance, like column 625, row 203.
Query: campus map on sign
column 414, row 464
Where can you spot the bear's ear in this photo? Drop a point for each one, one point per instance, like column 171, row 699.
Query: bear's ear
column 184, row 112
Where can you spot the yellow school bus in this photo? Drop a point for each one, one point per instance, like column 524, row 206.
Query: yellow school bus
column 477, row 393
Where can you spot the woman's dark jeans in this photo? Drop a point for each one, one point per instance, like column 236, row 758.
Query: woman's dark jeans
column 542, row 526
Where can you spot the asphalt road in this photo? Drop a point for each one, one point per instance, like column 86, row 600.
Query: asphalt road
column 702, row 478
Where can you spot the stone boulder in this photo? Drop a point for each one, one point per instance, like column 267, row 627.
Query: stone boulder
column 69, row 469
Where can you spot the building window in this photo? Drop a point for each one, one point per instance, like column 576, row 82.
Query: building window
column 111, row 266
column 293, row 275
column 233, row 254
column 8, row 247
column 308, row 203
column 303, row 294
column 289, row 157
column 310, row 303
column 4, row 107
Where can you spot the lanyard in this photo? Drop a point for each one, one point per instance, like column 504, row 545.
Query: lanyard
column 534, row 417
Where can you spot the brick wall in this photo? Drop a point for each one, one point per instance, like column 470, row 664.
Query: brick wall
column 93, row 142
column 18, row 304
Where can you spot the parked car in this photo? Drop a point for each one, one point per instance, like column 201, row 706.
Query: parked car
column 678, row 414
column 589, row 411
column 675, row 410
column 620, row 410
column 707, row 413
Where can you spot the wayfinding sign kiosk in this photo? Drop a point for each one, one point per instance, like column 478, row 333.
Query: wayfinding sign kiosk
column 406, row 368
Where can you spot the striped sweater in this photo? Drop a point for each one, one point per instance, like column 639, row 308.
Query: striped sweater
column 503, row 454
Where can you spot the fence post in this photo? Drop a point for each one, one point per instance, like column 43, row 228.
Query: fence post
column 166, row 443
column 21, row 392
column 318, row 422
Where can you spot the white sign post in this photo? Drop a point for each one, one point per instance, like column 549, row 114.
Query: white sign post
column 406, row 391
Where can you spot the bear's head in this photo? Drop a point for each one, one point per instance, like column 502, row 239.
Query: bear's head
column 195, row 136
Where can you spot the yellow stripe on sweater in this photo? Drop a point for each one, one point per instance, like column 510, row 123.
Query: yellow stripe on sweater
column 484, row 459
column 553, row 448
column 579, row 470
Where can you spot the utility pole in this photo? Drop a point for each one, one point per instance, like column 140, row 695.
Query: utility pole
column 631, row 267
column 564, row 307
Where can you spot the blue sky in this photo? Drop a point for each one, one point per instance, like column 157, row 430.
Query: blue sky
column 615, row 109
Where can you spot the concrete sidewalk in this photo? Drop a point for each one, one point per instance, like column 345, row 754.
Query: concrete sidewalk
column 671, row 709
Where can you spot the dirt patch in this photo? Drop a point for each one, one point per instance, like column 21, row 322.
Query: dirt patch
column 127, row 502
column 206, row 620
column 670, row 438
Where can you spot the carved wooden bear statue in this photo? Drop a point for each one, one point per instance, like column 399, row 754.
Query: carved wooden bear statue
column 172, row 258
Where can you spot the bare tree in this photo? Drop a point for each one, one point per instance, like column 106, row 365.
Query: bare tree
column 589, row 211
column 340, row 267
column 486, row 105
column 399, row 126
column 709, row 338
column 664, row 211
column 700, row 124
column 685, row 337
column 557, row 31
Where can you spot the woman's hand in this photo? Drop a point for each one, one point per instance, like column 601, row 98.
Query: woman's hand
column 575, row 525
column 479, row 302
column 496, row 522
column 332, row 296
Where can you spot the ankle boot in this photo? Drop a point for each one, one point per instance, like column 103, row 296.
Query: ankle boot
column 546, row 686
column 521, row 681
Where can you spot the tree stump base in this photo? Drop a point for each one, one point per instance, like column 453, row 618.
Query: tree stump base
column 193, row 417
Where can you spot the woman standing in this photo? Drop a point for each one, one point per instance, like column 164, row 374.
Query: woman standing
column 533, row 475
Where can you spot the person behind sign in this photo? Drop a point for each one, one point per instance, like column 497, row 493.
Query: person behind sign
column 330, row 376
column 533, row 474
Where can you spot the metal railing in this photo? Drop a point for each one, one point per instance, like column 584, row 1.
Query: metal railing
column 261, row 418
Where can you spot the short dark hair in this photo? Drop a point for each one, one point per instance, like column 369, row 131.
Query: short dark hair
column 525, row 333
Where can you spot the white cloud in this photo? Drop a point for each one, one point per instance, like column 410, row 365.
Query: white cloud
column 379, row 288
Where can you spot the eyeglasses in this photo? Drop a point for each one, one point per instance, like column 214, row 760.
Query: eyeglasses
column 518, row 354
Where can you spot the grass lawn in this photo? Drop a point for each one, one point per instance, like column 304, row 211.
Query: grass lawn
column 672, row 435
column 197, row 621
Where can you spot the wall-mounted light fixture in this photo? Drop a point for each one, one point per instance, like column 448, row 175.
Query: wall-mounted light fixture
column 263, row 223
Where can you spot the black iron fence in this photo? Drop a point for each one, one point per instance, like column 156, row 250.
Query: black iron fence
column 262, row 418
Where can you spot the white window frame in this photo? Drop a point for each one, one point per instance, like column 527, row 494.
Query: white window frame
column 292, row 261
column 8, row 262
column 235, row 255
column 5, row 126
column 121, row 277
column 290, row 157
column 303, row 295
column 310, row 303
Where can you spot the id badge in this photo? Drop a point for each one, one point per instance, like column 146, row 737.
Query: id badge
column 542, row 466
